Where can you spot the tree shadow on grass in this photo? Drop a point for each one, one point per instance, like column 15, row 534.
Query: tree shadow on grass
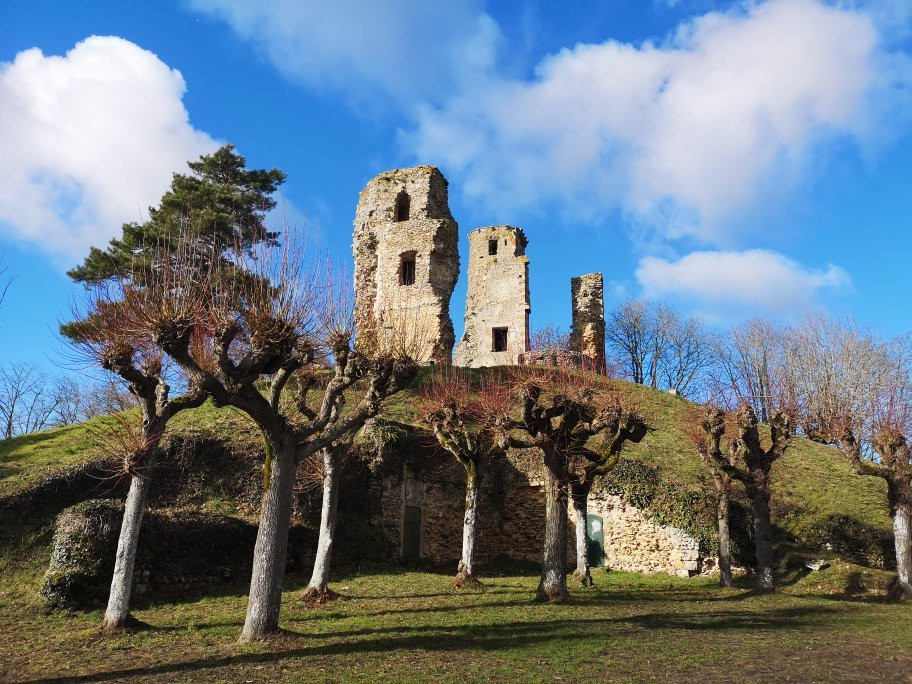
column 479, row 638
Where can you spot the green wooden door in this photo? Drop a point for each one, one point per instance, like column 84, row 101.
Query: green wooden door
column 595, row 540
column 411, row 533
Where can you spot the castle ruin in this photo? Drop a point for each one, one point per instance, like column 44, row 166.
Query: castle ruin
column 406, row 265
column 497, row 300
column 587, row 332
column 406, row 261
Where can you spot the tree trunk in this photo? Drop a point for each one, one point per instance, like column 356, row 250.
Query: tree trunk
column 725, row 571
column 902, row 533
column 581, row 513
column 466, row 572
column 271, row 549
column 553, row 585
column 320, row 578
column 763, row 540
column 117, row 614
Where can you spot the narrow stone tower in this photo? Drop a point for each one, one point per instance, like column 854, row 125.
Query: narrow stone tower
column 587, row 331
column 497, row 301
column 406, row 250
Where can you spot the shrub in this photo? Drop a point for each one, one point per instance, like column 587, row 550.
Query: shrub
column 852, row 539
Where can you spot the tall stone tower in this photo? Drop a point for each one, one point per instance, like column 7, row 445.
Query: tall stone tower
column 587, row 331
column 406, row 250
column 497, row 301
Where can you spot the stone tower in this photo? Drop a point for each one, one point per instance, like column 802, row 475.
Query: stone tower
column 406, row 250
column 497, row 301
column 587, row 332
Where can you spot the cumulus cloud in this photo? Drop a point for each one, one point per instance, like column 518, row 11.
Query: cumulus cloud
column 399, row 49
column 685, row 135
column 754, row 278
column 89, row 141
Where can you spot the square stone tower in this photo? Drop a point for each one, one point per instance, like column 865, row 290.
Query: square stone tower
column 406, row 251
column 497, row 301
column 587, row 331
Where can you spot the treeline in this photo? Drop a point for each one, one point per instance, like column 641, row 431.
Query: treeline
column 759, row 362
column 31, row 400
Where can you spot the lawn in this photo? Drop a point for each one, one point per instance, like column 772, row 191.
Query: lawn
column 392, row 625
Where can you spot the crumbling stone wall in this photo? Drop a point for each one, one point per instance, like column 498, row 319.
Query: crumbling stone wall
column 511, row 516
column 404, row 216
column 497, row 299
column 635, row 543
column 587, row 332
column 558, row 358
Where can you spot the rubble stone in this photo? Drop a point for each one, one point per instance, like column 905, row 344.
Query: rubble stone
column 406, row 262
column 587, row 332
column 497, row 300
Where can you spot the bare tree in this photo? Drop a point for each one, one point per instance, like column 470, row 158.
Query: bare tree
column 891, row 460
column 27, row 403
column 278, row 320
column 688, row 357
column 5, row 281
column 833, row 368
column 78, row 401
column 750, row 463
column 460, row 413
column 332, row 456
column 550, row 338
column 655, row 346
column 749, row 367
column 559, row 411
column 623, row 423
column 708, row 439
column 102, row 333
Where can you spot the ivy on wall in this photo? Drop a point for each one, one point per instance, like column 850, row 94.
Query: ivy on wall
column 668, row 503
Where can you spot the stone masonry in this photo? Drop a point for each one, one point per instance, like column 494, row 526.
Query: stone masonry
column 587, row 332
column 511, row 517
column 406, row 262
column 497, row 300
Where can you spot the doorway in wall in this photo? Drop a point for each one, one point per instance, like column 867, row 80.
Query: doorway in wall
column 411, row 533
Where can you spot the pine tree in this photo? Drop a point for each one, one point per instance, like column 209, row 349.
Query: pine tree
column 220, row 206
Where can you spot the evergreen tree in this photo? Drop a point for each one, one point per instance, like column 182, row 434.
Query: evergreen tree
column 220, row 206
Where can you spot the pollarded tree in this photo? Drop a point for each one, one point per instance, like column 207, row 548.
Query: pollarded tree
column 750, row 463
column 623, row 423
column 893, row 463
column 332, row 456
column 275, row 323
column 102, row 334
column 558, row 412
column 459, row 411
column 215, row 210
column 709, row 444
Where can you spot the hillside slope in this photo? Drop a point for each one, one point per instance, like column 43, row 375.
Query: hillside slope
column 810, row 482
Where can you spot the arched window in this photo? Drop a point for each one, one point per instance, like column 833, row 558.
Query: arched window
column 403, row 206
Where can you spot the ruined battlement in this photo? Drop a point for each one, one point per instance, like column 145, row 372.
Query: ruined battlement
column 406, row 256
column 497, row 301
column 587, row 331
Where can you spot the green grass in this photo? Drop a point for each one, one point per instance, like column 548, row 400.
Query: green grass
column 406, row 626
column 810, row 481
column 31, row 458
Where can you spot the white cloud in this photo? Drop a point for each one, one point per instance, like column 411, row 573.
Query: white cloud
column 686, row 135
column 89, row 141
column 368, row 50
column 752, row 278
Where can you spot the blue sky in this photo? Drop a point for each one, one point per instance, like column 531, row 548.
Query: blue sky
column 736, row 159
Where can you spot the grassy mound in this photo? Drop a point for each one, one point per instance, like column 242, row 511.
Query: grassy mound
column 813, row 486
